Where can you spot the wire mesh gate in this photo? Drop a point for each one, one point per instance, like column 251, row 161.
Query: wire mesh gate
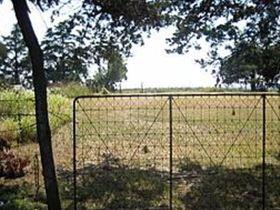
column 176, row 151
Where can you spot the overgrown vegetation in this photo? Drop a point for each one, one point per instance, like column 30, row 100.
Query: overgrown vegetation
column 17, row 115
column 17, row 132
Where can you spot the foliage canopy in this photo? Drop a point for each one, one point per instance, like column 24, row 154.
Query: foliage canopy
column 230, row 24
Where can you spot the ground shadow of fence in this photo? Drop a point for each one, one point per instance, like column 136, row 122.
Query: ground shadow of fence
column 225, row 188
column 194, row 187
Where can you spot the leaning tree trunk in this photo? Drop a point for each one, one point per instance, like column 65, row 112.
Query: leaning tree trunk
column 42, row 121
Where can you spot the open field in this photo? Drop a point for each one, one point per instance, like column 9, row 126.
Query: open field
column 126, row 150
column 216, row 149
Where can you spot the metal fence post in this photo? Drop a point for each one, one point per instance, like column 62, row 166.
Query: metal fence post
column 171, row 150
column 263, row 151
column 74, row 157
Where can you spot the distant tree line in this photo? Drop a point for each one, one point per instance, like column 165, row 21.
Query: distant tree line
column 68, row 58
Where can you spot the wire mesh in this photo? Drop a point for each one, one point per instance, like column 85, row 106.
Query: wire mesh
column 180, row 151
column 122, row 148
column 272, row 143
column 217, row 140
column 19, row 138
column 16, row 119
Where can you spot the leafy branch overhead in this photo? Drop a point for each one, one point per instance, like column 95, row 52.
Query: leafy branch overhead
column 222, row 21
column 249, row 63
column 93, row 30
column 83, row 39
column 238, row 26
column 114, row 24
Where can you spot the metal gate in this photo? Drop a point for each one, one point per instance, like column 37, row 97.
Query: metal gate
column 176, row 151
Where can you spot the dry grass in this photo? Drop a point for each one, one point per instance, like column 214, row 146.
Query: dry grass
column 216, row 131
column 123, row 144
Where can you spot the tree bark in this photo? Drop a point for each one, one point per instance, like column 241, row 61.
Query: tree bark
column 16, row 75
column 42, row 121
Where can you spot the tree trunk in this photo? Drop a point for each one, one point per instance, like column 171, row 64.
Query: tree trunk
column 253, row 81
column 42, row 121
column 16, row 71
column 253, row 86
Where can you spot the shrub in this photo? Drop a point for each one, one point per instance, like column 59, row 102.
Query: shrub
column 11, row 165
column 59, row 110
column 17, row 115
column 9, row 129
column 12, row 130
column 13, row 102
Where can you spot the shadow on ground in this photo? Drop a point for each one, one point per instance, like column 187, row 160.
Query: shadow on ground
column 19, row 197
column 110, row 185
column 223, row 188
column 114, row 186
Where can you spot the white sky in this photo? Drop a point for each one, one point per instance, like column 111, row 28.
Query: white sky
column 150, row 65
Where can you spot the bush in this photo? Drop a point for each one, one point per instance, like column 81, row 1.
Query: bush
column 11, row 165
column 20, row 196
column 17, row 115
column 9, row 129
column 13, row 102
column 59, row 110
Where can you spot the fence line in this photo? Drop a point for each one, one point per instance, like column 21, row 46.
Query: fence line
column 183, row 135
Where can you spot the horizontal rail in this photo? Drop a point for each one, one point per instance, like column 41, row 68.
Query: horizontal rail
column 179, row 94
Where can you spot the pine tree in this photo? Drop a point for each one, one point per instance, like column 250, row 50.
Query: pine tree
column 66, row 59
column 15, row 64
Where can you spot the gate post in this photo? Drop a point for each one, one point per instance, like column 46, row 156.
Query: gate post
column 170, row 150
column 74, row 156
column 263, row 151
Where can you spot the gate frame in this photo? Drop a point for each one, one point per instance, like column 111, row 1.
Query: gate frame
column 169, row 97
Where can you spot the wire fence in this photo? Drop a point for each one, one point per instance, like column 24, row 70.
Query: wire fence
column 177, row 151
column 16, row 119
column 18, row 134
column 163, row 151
